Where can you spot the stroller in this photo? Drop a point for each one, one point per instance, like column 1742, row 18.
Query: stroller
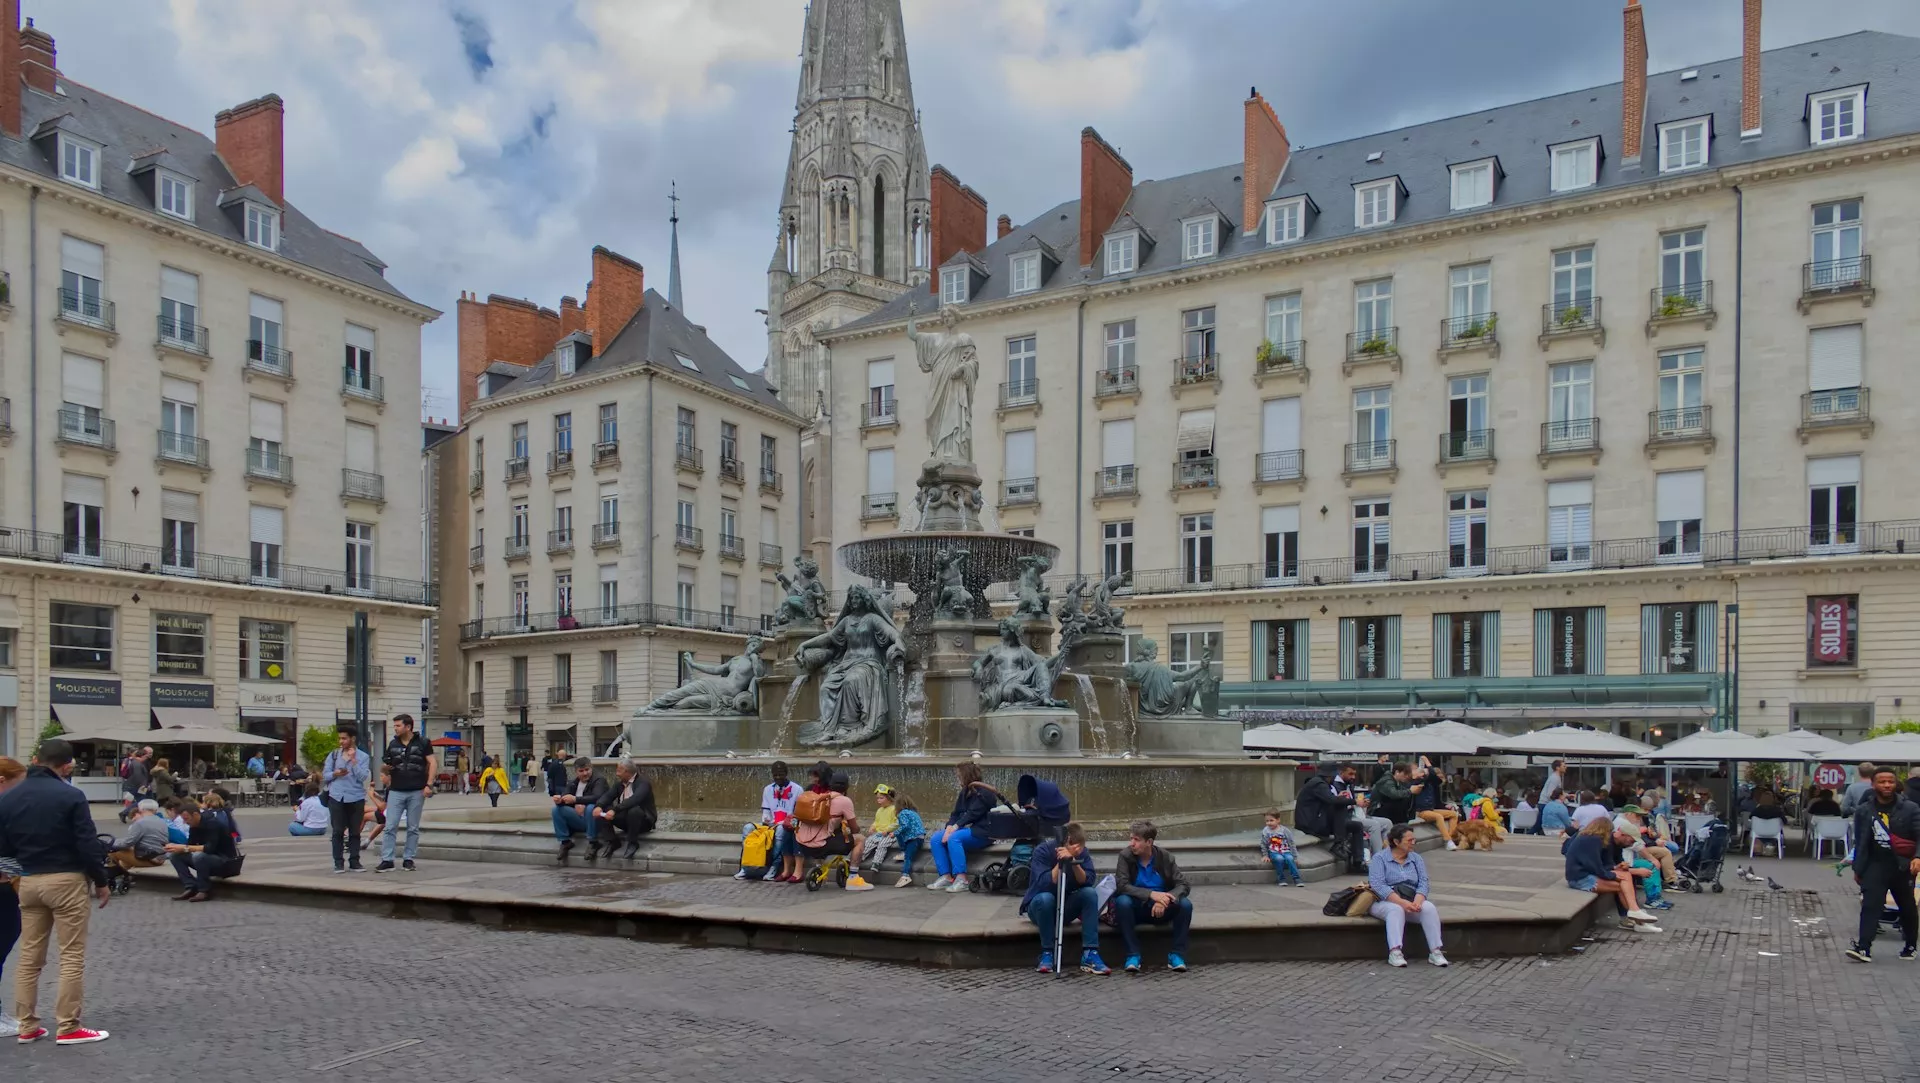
column 1043, row 811
column 1699, row 867
column 119, row 880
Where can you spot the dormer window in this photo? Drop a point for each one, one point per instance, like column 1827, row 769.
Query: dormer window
column 1024, row 272
column 1837, row 115
column 1473, row 185
column 1286, row 220
column 1575, row 165
column 953, row 285
column 1374, row 204
column 1123, row 253
column 1683, row 144
column 79, row 161
column 564, row 362
column 1199, row 237
column 173, row 194
column 263, row 227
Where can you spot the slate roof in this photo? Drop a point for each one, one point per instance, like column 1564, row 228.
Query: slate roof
column 1518, row 135
column 128, row 134
column 653, row 337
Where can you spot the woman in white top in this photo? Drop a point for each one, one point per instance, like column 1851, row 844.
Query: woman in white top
column 311, row 818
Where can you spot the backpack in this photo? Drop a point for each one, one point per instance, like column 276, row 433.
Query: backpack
column 813, row 808
column 756, row 848
column 126, row 767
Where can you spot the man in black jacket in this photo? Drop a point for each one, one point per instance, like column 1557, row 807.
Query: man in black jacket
column 46, row 828
column 1149, row 887
column 625, row 809
column 1886, row 830
column 571, row 808
column 1326, row 810
column 410, row 758
column 554, row 769
column 208, row 853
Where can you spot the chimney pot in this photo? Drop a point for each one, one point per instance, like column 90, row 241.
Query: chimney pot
column 959, row 220
column 34, row 48
column 251, row 139
column 1750, row 70
column 1633, row 82
column 1005, row 226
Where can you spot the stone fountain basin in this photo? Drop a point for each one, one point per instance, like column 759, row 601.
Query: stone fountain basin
column 910, row 556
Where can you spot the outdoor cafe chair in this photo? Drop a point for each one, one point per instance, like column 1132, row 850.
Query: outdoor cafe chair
column 1824, row 829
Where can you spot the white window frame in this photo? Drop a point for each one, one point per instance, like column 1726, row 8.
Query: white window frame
column 1566, row 152
column 1023, row 272
column 1197, row 556
column 1123, row 252
column 1674, row 138
column 1378, row 214
column 1857, row 95
column 953, row 286
column 86, row 160
column 1286, row 220
column 1199, row 237
column 1374, row 515
column 183, row 205
column 1473, row 170
column 1283, row 318
column 263, row 227
column 1468, row 509
column 1116, row 548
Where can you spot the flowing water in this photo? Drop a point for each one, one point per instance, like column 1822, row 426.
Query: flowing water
column 1090, row 710
column 913, row 714
column 783, row 738
column 1130, row 716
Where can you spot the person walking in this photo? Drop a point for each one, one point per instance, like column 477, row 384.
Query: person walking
column 410, row 758
column 494, row 782
column 136, row 781
column 464, row 768
column 46, row 829
column 1886, row 829
column 345, row 775
column 11, row 772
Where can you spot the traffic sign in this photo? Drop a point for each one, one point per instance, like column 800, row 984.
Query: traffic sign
column 409, row 660
column 1829, row 776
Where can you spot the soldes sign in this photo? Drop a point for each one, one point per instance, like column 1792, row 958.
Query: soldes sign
column 1832, row 643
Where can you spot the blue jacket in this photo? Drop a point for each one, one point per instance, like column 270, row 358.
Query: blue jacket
column 1045, row 798
column 910, row 826
column 1555, row 816
column 45, row 825
column 1045, row 856
column 1587, row 856
column 971, row 807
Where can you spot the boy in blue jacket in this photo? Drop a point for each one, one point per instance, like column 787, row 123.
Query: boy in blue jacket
column 1052, row 863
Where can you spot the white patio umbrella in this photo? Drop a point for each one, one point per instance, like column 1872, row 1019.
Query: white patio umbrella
column 1444, row 738
column 1570, row 741
column 1893, row 748
column 1731, row 745
column 1819, row 745
column 1280, row 737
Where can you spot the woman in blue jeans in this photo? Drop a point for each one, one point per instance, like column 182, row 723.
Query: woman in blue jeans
column 965, row 830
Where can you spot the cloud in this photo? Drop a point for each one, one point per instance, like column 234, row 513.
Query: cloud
column 475, row 41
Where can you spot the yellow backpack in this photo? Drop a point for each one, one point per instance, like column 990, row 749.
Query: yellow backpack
column 755, row 847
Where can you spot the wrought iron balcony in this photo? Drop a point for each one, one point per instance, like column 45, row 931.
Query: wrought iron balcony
column 606, row 452
column 1122, row 380
column 560, row 696
column 1576, row 435
column 476, row 556
column 181, row 335
column 1466, row 446
column 688, row 457
column 1018, row 492
column 516, row 697
column 517, row 546
column 1840, row 407
column 6, row 417
column 517, row 469
column 1378, row 344
column 560, row 541
column 269, row 465
column 879, row 506
column 732, row 545
column 1824, row 279
column 606, row 693
column 770, row 555
column 691, row 538
column 376, row 675
column 559, row 462
column 1200, row 369
column 1478, row 331
column 1571, row 316
column 363, row 485
column 86, row 429
column 1680, row 425
column 86, row 309
column 362, row 384
column 476, row 480
column 1116, row 481
column 1018, row 394
column 184, row 449
column 1680, row 301
column 769, row 481
column 878, row 415
column 1279, row 465
column 1198, row 473
column 606, row 535
column 1280, row 358
column 731, row 470
column 269, row 358
column 609, row 616
column 1372, row 456
column 477, row 702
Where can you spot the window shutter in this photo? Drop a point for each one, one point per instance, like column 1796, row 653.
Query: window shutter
column 1563, row 493
column 1020, row 454
column 82, row 489
column 1650, row 641
column 729, row 592
column 1833, row 357
column 1280, row 425
column 360, row 338
column 83, row 380
column 1839, row 470
column 1597, row 639
column 880, row 373
column 880, row 470
column 1280, row 520
column 179, row 390
column 769, row 526
column 1490, row 645
column 268, row 420
column 180, row 286
column 362, row 450
column 266, row 525
column 179, row 507
column 1708, row 623
column 1116, row 443
column 1680, row 495
column 1457, row 529
column 609, row 573
column 1582, row 524
column 83, row 258
column 1558, row 520
column 1392, row 625
column 1543, row 642
column 1263, row 663
column 1443, row 644
column 265, row 308
column 1196, row 431
column 1346, row 649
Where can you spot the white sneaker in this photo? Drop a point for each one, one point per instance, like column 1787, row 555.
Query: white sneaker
column 772, row 872
column 959, row 885
column 1642, row 927
column 740, row 874
column 904, row 881
column 1451, row 845
column 941, row 884
column 1437, row 958
column 1396, row 958
column 8, row 1024
column 1637, row 914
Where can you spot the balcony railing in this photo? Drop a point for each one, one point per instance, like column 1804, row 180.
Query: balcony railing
column 688, row 457
column 1018, row 393
column 1199, row 473
column 476, row 480
column 1280, row 465
column 183, row 448
column 1836, row 276
column 517, row 545
column 1374, row 345
column 1836, row 407
column 1680, row 301
column 1573, row 434
column 1682, row 423
column 770, row 555
column 363, row 485
column 1366, row 456
column 477, row 702
column 376, row 675
column 559, row 695
column 560, row 541
column 606, row 451
column 1018, row 492
column 268, row 465
column 86, row 429
column 1202, row 369
column 1278, row 358
column 86, row 308
column 269, row 358
column 878, row 415
column 689, row 537
column 1121, row 380
column 362, row 384
column 6, row 415
column 559, row 461
column 1572, row 316
column 1466, row 446
column 516, row 469
column 608, row 616
column 476, row 556
column 1116, row 481
column 181, row 335
column 732, row 545
column 879, row 506
column 606, row 535
column 516, row 697
column 769, row 480
column 606, row 693
column 204, row 567
column 731, row 470
column 1467, row 332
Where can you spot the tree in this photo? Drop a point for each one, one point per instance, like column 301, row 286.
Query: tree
column 51, row 730
column 315, row 743
column 1902, row 725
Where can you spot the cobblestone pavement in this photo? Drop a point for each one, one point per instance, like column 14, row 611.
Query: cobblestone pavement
column 1749, row 985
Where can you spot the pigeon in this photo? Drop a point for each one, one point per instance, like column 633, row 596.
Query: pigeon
column 1741, row 872
column 1771, row 886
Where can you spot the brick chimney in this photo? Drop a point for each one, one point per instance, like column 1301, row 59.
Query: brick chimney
column 618, row 290
column 471, row 348
column 1750, row 71
column 1005, row 226
column 250, row 138
column 572, row 317
column 959, row 221
column 1264, row 158
column 36, row 56
column 1633, row 83
column 1106, row 180
column 10, row 74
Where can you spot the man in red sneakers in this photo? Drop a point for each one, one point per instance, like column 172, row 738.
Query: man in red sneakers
column 45, row 827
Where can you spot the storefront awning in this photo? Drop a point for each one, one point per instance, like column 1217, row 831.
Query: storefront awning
column 210, row 735
column 99, row 722
column 175, row 717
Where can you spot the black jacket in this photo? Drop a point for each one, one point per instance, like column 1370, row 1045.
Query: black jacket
column 411, row 763
column 1128, row 867
column 642, row 799
column 1321, row 809
column 558, row 781
column 971, row 807
column 1913, row 789
column 213, row 833
column 45, row 825
column 596, row 790
column 1903, row 821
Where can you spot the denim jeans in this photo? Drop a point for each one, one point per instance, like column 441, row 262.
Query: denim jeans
column 569, row 821
column 909, row 852
column 410, row 804
column 950, row 857
column 303, row 829
column 1284, row 868
column 1129, row 912
column 1083, row 906
column 196, row 871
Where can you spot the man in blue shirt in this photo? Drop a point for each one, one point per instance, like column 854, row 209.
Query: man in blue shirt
column 1151, row 888
column 256, row 766
column 345, row 776
column 1052, row 863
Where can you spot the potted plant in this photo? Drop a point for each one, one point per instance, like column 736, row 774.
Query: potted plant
column 1375, row 346
column 1677, row 304
column 1263, row 354
column 1573, row 316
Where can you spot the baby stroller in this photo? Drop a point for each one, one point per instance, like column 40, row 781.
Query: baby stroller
column 1699, row 867
column 119, row 880
column 1043, row 811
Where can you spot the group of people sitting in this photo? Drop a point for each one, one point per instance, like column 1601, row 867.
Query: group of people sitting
column 607, row 813
column 198, row 838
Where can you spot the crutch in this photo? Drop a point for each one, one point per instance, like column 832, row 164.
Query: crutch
column 1059, row 916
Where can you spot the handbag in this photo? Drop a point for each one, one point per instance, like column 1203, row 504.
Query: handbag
column 1349, row 902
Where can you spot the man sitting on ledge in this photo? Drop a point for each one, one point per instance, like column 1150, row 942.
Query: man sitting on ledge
column 570, row 808
column 1150, row 888
column 626, row 809
column 145, row 843
column 1053, row 862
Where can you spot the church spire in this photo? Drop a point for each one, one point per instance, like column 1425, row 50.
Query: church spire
column 673, row 262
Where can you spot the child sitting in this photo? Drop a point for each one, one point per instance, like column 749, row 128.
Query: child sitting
column 886, row 820
column 909, row 834
column 1276, row 841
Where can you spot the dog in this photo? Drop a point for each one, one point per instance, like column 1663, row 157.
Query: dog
column 1483, row 833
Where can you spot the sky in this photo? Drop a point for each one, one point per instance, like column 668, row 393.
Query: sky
column 488, row 145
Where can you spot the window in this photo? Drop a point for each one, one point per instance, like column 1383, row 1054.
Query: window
column 730, row 446
column 1283, row 320
column 517, row 673
column 1280, row 650
column 84, row 501
column 360, row 557
column 1467, row 417
column 1372, row 424
column 1836, row 245
column 1369, row 648
column 729, row 526
column 1680, row 391
column 683, row 594
column 1123, row 253
column 609, row 423
column 769, row 456
column 1683, row 144
column 265, row 317
column 522, row 606
column 1469, row 294
column 563, row 593
column 1466, row 644
column 265, row 650
column 1019, row 467
column 1838, row 115
column 1573, row 283
column 1280, row 543
column 1373, row 308
column 563, row 437
column 609, row 590
column 1679, row 501
column 80, row 636
column 1833, row 631
column 266, row 440
column 519, row 522
column 79, row 161
column 179, row 420
column 1196, row 548
column 880, row 391
column 1371, row 541
column 1187, row 646
column 180, row 307
column 1024, row 271
column 1678, row 637
column 1198, row 342
column 1833, row 504
column 729, row 597
column 1683, row 264
column 83, row 396
column 684, row 520
column 1022, row 369
column 1834, row 371
column 82, row 268
column 1198, row 237
column 880, row 479
column 1285, row 220
column 1570, row 642
column 6, row 656
column 564, row 358
column 609, row 504
column 1373, row 204
column 1569, row 524
column 1119, row 356
column 1570, row 404
column 953, row 286
column 479, row 604
column 180, row 644
column 1472, row 185
column 359, row 358
column 179, row 530
column 683, row 427
column 517, row 440
column 175, row 195
column 1574, row 165
column 1280, row 457
column 267, row 528
column 1116, row 548
column 263, row 227
column 1467, row 533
